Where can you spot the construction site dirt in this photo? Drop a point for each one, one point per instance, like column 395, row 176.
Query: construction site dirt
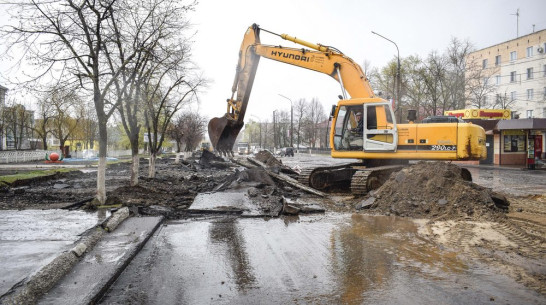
column 498, row 219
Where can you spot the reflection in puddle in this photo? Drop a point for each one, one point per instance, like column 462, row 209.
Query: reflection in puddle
column 368, row 250
column 229, row 243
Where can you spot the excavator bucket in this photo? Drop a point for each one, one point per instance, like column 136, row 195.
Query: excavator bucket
column 222, row 134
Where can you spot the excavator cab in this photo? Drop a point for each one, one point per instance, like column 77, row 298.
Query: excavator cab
column 368, row 126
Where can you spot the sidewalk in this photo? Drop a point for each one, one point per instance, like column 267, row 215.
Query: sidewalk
column 70, row 262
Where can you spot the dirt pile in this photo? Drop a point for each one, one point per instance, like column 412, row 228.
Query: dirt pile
column 436, row 190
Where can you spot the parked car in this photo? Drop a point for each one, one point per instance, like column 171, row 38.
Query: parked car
column 287, row 152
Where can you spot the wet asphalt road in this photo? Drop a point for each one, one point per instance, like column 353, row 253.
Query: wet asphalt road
column 321, row 259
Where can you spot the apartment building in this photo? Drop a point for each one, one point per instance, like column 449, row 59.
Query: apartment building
column 512, row 75
column 516, row 70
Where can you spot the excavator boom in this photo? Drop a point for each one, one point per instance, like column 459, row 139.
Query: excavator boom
column 223, row 131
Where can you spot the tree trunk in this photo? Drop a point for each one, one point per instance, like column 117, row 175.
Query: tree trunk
column 101, row 173
column 44, row 142
column 135, row 164
column 151, row 165
column 134, row 169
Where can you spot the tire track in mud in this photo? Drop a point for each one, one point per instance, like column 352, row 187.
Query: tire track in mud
column 513, row 247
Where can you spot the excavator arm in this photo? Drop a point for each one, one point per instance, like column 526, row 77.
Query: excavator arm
column 224, row 130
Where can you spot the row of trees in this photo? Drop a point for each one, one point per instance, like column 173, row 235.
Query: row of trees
column 439, row 82
column 58, row 113
column 132, row 57
column 310, row 127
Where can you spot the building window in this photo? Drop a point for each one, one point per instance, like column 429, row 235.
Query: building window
column 513, row 55
column 513, row 95
column 529, row 51
column 498, row 79
column 529, row 114
column 484, row 63
column 513, row 76
column 514, row 143
column 497, row 60
column 529, row 94
column 529, row 73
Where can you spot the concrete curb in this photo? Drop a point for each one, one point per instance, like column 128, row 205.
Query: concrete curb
column 92, row 276
column 49, row 275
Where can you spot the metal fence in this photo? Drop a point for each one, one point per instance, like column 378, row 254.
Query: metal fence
column 20, row 156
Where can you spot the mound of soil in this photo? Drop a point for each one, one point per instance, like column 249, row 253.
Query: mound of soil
column 436, row 190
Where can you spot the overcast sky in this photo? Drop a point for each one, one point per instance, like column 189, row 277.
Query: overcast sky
column 418, row 27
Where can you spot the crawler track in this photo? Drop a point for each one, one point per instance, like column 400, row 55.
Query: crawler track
column 353, row 177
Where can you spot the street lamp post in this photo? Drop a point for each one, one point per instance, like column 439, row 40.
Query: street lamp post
column 398, row 100
column 291, row 121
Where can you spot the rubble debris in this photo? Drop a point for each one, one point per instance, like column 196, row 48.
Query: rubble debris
column 209, row 159
column 288, row 209
column 269, row 161
column 436, row 190
column 366, row 203
column 287, row 179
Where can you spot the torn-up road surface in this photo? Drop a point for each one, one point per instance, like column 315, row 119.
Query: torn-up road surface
column 314, row 259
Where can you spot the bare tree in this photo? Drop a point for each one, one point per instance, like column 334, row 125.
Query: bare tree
column 433, row 76
column 315, row 115
column 65, row 119
column 456, row 54
column 42, row 125
column 151, row 30
column 89, row 126
column 479, row 84
column 162, row 103
column 17, row 123
column 66, row 40
column 502, row 101
column 192, row 127
column 415, row 89
column 300, row 110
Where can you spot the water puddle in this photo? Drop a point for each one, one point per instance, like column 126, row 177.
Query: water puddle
column 318, row 259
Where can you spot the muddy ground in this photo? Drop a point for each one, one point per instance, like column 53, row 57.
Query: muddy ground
column 508, row 232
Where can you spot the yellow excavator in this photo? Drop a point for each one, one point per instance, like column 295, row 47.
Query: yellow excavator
column 362, row 127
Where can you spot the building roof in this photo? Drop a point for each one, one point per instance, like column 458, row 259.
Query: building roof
column 485, row 124
column 498, row 44
column 521, row 124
